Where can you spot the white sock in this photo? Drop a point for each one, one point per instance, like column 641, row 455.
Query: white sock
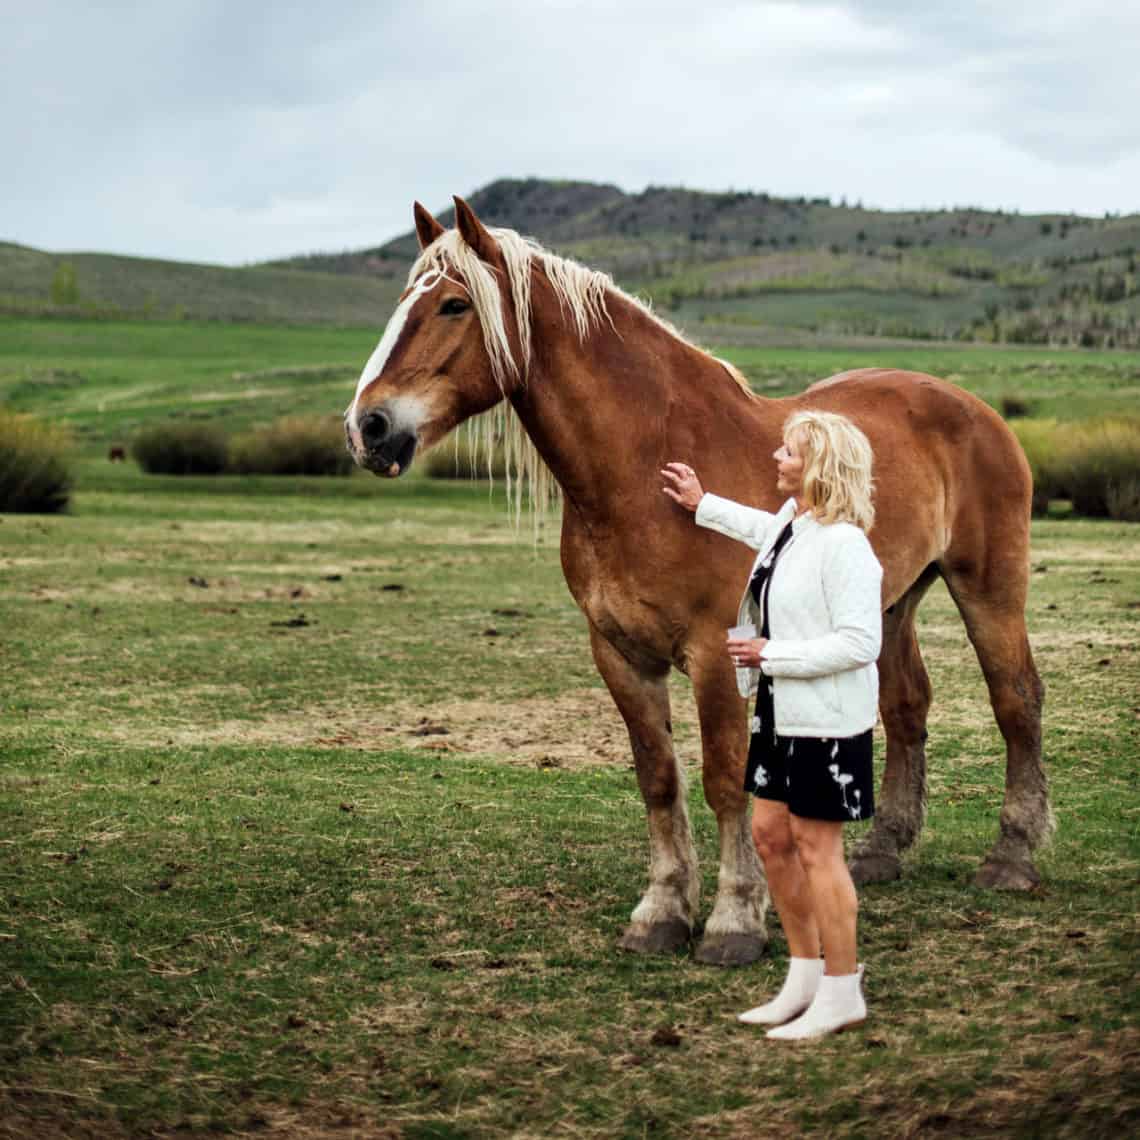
column 796, row 995
column 837, row 1003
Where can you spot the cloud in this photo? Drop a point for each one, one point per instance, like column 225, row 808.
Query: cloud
column 212, row 131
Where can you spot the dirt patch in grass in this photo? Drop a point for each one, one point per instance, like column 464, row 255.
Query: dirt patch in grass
column 575, row 729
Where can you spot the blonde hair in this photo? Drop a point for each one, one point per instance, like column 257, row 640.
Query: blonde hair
column 837, row 483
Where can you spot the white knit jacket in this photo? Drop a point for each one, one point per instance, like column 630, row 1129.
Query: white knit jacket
column 824, row 614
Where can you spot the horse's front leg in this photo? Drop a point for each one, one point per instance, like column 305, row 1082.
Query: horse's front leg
column 734, row 933
column 662, row 921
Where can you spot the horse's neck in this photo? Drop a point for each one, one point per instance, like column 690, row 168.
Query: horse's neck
column 603, row 413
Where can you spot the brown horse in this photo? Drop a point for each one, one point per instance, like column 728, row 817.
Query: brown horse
column 606, row 393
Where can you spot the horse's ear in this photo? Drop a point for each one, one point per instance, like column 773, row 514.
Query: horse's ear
column 473, row 232
column 427, row 228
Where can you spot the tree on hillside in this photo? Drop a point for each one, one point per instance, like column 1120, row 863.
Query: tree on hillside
column 64, row 285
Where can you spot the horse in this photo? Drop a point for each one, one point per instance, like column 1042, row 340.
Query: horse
column 600, row 392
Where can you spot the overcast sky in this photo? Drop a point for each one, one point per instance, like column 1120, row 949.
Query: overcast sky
column 234, row 131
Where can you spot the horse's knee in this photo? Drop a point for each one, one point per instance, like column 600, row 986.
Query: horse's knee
column 1017, row 705
column 904, row 706
column 906, row 724
column 1025, row 694
column 723, row 791
column 659, row 777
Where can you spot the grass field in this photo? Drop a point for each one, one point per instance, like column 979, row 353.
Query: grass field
column 108, row 379
column 317, row 821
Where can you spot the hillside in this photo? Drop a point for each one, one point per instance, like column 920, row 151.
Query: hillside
column 638, row 234
column 97, row 284
column 744, row 268
column 729, row 266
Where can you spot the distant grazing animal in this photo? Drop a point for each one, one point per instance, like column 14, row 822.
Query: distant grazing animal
column 117, row 454
column 604, row 392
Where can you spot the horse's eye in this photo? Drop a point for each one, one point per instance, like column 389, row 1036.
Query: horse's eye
column 453, row 306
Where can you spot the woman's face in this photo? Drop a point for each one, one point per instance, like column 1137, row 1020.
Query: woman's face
column 789, row 467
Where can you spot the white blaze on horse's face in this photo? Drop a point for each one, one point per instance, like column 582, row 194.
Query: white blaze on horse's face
column 405, row 414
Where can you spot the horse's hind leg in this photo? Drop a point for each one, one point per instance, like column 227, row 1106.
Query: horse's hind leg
column 734, row 934
column 995, row 622
column 663, row 920
column 904, row 700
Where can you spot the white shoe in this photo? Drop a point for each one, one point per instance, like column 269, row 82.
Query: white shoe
column 795, row 996
column 838, row 1003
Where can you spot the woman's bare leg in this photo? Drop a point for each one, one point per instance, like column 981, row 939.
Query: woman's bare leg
column 790, row 892
column 788, row 884
column 819, row 846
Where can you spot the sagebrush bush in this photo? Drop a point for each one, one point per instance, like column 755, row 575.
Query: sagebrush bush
column 458, row 458
column 295, row 445
column 1100, row 460
column 1014, row 406
column 1123, row 500
column 35, row 477
column 1094, row 463
column 1038, row 439
column 181, row 449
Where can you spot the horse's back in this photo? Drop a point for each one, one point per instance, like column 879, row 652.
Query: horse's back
column 909, row 402
column 870, row 383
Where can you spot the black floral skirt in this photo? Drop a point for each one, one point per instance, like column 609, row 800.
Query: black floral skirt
column 831, row 779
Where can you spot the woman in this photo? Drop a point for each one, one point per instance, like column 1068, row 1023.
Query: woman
column 814, row 595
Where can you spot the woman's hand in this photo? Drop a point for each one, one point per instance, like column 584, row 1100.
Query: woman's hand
column 682, row 485
column 745, row 652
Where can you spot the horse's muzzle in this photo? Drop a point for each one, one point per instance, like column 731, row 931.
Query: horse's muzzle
column 386, row 450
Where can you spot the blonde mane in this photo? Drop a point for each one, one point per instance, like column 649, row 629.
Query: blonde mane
column 582, row 293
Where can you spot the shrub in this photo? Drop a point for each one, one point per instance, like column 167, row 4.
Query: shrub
column 1014, row 407
column 1101, row 464
column 294, row 445
column 181, row 449
column 1095, row 463
column 1038, row 439
column 1123, row 500
column 34, row 474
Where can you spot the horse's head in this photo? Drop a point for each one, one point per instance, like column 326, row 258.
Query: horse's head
column 451, row 349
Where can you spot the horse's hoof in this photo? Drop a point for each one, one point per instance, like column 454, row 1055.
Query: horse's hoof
column 875, row 867
column 1014, row 876
column 730, row 949
column 661, row 938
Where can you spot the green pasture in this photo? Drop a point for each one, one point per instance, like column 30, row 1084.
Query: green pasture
column 316, row 820
column 109, row 378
